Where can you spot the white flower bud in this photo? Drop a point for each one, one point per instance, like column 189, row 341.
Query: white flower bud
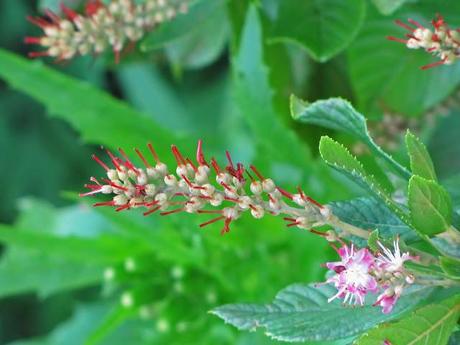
column 208, row 190
column 230, row 213
column 257, row 211
column 162, row 169
column 216, row 200
column 256, row 187
column 106, row 189
column 268, row 185
column 171, row 180
column 120, row 200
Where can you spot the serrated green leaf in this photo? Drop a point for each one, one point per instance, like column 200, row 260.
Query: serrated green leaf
column 451, row 266
column 420, row 161
column 369, row 214
column 339, row 114
column 430, row 325
column 254, row 97
column 301, row 313
column 198, row 12
column 100, row 119
column 383, row 73
column 323, row 28
column 339, row 158
column 430, row 206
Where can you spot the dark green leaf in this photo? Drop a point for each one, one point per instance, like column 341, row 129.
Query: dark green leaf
column 451, row 266
column 323, row 28
column 100, row 118
column 301, row 313
column 430, row 206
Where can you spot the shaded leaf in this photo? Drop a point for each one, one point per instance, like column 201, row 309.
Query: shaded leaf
column 323, row 28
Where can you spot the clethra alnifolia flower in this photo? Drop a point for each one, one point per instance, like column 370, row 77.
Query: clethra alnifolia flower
column 201, row 187
column 113, row 26
column 441, row 41
column 359, row 272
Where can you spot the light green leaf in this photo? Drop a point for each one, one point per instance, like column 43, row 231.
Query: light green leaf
column 430, row 206
column 254, row 97
column 339, row 158
column 372, row 241
column 301, row 313
column 324, row 28
column 32, row 270
column 451, row 266
column 420, row 161
column 430, row 325
column 339, row 114
column 100, row 118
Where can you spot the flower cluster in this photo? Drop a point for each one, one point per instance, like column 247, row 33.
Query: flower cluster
column 201, row 188
column 101, row 27
column 359, row 272
column 442, row 41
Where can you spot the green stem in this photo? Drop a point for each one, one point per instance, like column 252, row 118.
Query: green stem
column 349, row 229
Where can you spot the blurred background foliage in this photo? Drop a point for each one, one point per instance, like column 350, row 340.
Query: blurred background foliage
column 224, row 73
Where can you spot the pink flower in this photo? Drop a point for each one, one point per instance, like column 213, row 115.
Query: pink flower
column 392, row 261
column 353, row 279
column 388, row 299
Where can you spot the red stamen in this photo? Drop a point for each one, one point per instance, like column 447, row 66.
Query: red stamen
column 404, row 25
column 229, row 158
column 37, row 54
column 115, row 185
column 154, row 153
column 199, row 154
column 70, row 14
column 293, row 224
column 285, row 193
column 101, row 163
column 231, row 199
column 171, row 212
column 179, row 158
column 139, row 153
column 53, row 16
column 152, row 211
column 227, row 187
column 313, row 201
column 32, row 40
column 417, row 24
column 259, row 175
column 215, row 165
column 105, row 203
column 92, row 186
column 113, row 159
column 190, row 184
column 192, row 165
column 40, row 22
column 123, row 207
column 92, row 7
column 210, row 211
column 128, row 163
column 396, row 39
column 226, row 226
column 116, row 53
column 316, row 232
column 290, row 219
column 250, row 176
column 211, row 221
column 434, row 64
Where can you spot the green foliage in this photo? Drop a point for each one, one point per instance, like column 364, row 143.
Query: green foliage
column 338, row 114
column 339, row 158
column 451, row 266
column 100, row 118
column 332, row 25
column 420, row 161
column 387, row 7
column 430, row 206
column 430, row 325
column 301, row 313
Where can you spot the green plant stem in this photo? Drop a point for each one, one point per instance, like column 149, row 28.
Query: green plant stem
column 349, row 229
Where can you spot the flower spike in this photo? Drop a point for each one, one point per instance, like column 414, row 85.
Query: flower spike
column 114, row 26
column 156, row 189
column 441, row 42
